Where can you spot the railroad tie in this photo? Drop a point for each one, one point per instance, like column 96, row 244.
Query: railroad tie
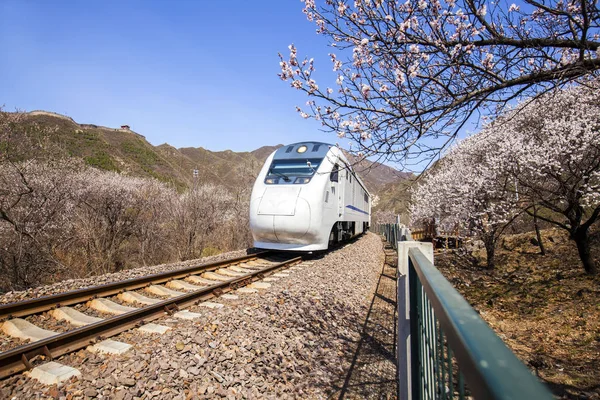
column 228, row 272
column 22, row 329
column 72, row 316
column 247, row 290
column 210, row 304
column 109, row 346
column 183, row 285
column 240, row 269
column 215, row 277
column 187, row 314
column 53, row 373
column 259, row 285
column 200, row 280
column 109, row 307
column 135, row 297
column 162, row 291
column 257, row 264
column 154, row 328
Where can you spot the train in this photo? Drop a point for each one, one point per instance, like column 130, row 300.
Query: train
column 307, row 197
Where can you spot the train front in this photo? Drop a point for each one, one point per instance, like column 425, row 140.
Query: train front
column 285, row 209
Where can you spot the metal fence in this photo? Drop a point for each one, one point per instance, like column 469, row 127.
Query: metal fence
column 394, row 233
column 444, row 349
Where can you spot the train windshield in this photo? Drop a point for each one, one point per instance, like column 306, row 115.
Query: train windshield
column 289, row 170
column 294, row 167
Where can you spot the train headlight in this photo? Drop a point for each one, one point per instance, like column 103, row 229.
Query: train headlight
column 302, row 180
column 302, row 149
column 271, row 181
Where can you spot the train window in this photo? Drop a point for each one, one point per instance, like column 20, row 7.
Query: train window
column 292, row 171
column 334, row 176
column 366, row 198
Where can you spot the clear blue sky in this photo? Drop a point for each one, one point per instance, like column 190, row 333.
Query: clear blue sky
column 190, row 73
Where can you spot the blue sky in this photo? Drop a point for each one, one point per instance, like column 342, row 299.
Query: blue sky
column 189, row 73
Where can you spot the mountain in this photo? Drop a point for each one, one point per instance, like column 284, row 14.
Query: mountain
column 265, row 151
column 128, row 152
column 376, row 175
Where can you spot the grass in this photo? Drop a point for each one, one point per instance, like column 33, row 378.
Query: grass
column 140, row 152
column 545, row 308
column 102, row 160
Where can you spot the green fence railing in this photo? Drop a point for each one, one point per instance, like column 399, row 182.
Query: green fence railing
column 444, row 349
column 394, row 233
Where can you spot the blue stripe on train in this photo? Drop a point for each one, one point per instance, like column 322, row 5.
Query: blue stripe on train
column 357, row 209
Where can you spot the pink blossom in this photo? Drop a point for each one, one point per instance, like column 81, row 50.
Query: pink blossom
column 365, row 90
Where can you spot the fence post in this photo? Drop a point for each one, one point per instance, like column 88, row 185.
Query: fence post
column 404, row 355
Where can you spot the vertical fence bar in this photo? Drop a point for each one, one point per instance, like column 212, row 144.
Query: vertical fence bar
column 414, row 331
column 450, row 373
column 442, row 365
column 461, row 385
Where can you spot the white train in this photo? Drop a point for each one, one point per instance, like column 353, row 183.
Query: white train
column 306, row 197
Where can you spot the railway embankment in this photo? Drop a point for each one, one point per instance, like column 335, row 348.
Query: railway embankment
column 303, row 337
column 74, row 284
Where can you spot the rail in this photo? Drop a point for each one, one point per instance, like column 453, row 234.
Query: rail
column 19, row 358
column 444, row 349
column 45, row 303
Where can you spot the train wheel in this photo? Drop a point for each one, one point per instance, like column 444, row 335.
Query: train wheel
column 334, row 236
column 331, row 238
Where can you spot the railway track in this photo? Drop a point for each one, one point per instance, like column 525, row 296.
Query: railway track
column 128, row 304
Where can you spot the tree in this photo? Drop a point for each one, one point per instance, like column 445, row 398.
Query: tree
column 469, row 188
column 541, row 158
column 411, row 74
column 552, row 149
column 195, row 216
column 110, row 208
column 36, row 203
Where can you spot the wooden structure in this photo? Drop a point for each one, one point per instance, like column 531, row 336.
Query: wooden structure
column 440, row 239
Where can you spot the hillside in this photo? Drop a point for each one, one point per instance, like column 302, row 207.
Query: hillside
column 544, row 307
column 129, row 153
column 395, row 197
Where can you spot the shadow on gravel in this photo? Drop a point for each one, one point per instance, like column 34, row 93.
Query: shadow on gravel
column 372, row 373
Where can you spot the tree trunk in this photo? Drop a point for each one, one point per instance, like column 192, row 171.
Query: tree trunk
column 490, row 250
column 582, row 239
column 537, row 232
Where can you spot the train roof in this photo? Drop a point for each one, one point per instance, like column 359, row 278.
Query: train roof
column 302, row 150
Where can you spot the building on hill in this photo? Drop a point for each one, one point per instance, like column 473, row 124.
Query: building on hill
column 125, row 127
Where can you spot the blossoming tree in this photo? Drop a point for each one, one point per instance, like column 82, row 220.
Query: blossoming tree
column 553, row 152
column 469, row 188
column 411, row 74
column 542, row 157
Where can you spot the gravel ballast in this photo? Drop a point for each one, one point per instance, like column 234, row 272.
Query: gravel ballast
column 296, row 339
column 73, row 284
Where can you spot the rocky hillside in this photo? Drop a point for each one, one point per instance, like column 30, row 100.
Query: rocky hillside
column 128, row 152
